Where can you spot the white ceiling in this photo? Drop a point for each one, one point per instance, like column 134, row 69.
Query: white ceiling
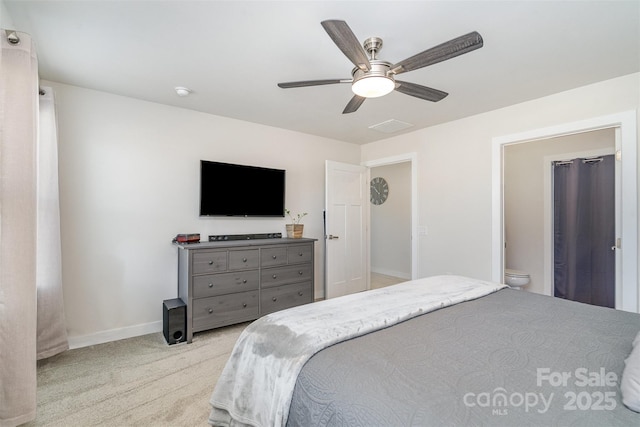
column 231, row 54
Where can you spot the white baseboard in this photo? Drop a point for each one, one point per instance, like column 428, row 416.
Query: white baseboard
column 114, row 335
column 400, row 274
column 153, row 327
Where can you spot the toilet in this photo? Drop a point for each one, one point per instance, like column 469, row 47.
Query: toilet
column 516, row 279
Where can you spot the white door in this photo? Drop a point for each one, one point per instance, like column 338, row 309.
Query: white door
column 346, row 214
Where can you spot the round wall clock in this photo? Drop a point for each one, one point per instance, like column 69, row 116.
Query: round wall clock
column 379, row 190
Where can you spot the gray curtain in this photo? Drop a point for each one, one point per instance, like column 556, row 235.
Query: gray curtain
column 584, row 231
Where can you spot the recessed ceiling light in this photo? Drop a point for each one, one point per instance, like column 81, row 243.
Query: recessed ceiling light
column 183, row 91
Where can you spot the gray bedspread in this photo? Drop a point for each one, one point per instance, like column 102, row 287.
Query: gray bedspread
column 256, row 385
column 511, row 358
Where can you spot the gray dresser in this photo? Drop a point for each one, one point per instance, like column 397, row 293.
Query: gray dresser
column 223, row 283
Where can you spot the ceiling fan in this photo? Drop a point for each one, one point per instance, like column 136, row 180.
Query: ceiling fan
column 373, row 77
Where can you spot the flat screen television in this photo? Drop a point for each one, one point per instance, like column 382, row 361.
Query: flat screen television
column 237, row 190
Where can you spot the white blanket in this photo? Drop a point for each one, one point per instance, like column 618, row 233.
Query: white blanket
column 256, row 385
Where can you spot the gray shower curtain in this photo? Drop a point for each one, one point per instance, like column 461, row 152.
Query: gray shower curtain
column 584, row 231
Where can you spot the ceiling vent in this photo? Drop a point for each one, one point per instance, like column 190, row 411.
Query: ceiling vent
column 391, row 126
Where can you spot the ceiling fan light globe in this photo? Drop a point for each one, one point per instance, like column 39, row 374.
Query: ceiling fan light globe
column 373, row 86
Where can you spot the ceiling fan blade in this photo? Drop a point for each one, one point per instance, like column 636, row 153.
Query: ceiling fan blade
column 347, row 42
column 354, row 104
column 451, row 49
column 289, row 85
column 420, row 91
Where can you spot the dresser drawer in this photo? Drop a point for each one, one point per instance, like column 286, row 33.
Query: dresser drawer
column 225, row 283
column 223, row 310
column 281, row 297
column 271, row 257
column 299, row 253
column 209, row 262
column 243, row 259
column 283, row 275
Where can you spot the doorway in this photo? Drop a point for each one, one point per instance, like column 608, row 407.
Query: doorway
column 528, row 194
column 624, row 125
column 390, row 224
column 408, row 164
column 584, row 230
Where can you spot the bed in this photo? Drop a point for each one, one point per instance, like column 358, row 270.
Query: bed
column 445, row 350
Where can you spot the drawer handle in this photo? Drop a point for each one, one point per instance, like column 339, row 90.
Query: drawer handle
column 244, row 260
column 244, row 305
column 275, row 276
column 301, row 272
column 210, row 262
column 274, row 257
column 300, row 254
column 244, row 281
column 274, row 299
column 210, row 310
column 211, row 285
column 300, row 293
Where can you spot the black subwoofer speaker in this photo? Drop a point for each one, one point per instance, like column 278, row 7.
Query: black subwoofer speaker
column 174, row 320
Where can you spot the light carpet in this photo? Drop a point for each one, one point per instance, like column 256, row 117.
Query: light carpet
column 139, row 381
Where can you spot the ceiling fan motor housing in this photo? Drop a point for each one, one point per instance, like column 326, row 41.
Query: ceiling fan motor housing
column 372, row 45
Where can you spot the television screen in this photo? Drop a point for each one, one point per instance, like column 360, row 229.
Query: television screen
column 238, row 190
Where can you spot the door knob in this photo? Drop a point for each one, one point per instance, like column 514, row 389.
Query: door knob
column 331, row 237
